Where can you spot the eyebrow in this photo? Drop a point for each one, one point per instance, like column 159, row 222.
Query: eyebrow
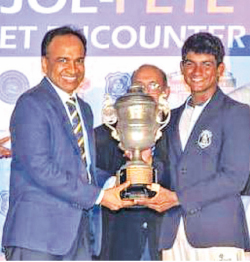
column 205, row 61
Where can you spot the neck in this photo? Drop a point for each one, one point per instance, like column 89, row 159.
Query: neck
column 201, row 98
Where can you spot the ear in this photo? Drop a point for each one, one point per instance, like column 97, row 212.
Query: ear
column 181, row 66
column 44, row 63
column 220, row 70
column 167, row 91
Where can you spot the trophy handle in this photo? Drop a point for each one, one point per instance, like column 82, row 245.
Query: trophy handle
column 109, row 116
column 163, row 115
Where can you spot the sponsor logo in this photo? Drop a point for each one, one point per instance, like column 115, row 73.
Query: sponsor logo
column 12, row 84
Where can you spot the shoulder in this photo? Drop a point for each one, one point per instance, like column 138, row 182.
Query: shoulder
column 234, row 112
column 175, row 113
column 222, row 101
column 102, row 130
column 241, row 94
column 35, row 94
column 231, row 104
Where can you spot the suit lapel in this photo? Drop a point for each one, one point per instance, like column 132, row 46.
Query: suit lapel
column 88, row 125
column 62, row 114
column 84, row 117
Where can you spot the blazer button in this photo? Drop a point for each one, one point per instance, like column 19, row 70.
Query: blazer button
column 145, row 225
column 183, row 170
column 192, row 212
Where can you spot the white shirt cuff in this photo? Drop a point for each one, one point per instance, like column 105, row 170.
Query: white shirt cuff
column 110, row 182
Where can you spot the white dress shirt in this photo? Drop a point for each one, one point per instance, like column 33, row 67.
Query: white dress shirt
column 188, row 119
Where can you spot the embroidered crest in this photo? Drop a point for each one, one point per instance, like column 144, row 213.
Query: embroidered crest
column 205, row 139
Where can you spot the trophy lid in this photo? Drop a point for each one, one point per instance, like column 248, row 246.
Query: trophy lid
column 135, row 96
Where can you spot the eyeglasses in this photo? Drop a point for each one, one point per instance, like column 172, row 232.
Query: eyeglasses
column 152, row 86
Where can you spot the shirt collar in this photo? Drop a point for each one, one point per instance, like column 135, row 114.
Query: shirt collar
column 62, row 94
column 189, row 103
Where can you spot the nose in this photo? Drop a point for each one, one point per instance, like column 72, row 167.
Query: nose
column 72, row 67
column 154, row 94
column 198, row 68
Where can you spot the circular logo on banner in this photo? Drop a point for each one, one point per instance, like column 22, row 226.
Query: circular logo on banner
column 12, row 84
column 4, row 202
column 117, row 84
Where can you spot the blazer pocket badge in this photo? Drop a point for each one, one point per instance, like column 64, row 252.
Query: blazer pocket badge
column 205, row 139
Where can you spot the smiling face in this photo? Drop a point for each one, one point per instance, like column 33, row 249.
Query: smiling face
column 64, row 62
column 201, row 74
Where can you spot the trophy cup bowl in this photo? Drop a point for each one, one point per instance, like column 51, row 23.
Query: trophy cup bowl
column 138, row 124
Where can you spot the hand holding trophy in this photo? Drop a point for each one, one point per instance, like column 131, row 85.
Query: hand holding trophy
column 136, row 120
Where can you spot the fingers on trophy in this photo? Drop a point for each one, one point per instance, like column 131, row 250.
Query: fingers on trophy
column 136, row 121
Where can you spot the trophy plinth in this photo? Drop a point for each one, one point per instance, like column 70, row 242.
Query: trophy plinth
column 138, row 123
column 139, row 174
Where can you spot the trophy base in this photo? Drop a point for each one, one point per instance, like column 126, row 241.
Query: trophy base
column 137, row 192
column 124, row 174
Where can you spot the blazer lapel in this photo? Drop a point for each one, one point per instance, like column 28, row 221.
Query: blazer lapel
column 209, row 111
column 175, row 135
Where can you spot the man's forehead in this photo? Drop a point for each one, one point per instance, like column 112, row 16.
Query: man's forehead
column 200, row 57
column 147, row 75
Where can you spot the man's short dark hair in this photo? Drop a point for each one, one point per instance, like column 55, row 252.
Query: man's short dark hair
column 61, row 31
column 204, row 43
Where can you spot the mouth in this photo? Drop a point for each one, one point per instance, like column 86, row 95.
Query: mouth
column 197, row 80
column 70, row 78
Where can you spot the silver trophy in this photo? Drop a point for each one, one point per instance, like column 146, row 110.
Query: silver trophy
column 136, row 121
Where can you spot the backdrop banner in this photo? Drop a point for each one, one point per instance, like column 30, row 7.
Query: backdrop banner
column 122, row 35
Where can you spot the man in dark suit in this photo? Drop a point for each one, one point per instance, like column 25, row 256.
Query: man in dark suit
column 128, row 231
column 209, row 149
column 53, row 178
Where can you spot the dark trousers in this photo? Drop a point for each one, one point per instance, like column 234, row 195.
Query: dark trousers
column 80, row 249
column 130, row 235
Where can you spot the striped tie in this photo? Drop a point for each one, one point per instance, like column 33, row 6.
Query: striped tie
column 76, row 124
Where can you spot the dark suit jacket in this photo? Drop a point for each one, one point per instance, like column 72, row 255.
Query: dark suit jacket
column 125, row 231
column 208, row 180
column 49, row 191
